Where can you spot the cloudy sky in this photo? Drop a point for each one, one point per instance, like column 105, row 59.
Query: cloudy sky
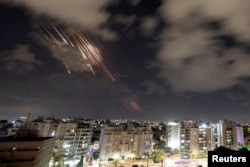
column 145, row 60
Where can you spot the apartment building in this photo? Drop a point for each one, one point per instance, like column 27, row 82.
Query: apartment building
column 223, row 134
column 82, row 142
column 26, row 152
column 65, row 139
column 200, row 140
column 173, row 135
column 238, row 137
column 195, row 138
column 73, row 138
column 185, row 133
column 120, row 143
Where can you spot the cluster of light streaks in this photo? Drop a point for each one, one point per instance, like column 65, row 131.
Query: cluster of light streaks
column 78, row 53
column 131, row 104
column 75, row 51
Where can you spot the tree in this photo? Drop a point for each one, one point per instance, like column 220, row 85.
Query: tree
column 158, row 157
column 58, row 161
column 116, row 162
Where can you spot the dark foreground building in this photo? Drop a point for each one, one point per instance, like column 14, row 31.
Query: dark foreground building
column 26, row 151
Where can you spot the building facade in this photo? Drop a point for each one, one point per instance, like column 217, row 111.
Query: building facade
column 26, row 152
column 120, row 143
column 173, row 135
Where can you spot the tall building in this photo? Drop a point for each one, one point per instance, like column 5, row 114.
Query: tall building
column 196, row 138
column 193, row 142
column 26, row 152
column 82, row 141
column 246, row 131
column 222, row 134
column 65, row 138
column 173, row 135
column 238, row 137
column 185, row 132
column 203, row 139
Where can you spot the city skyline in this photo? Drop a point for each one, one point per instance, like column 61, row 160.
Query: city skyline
column 158, row 60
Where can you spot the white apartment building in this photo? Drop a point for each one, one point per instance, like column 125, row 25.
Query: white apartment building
column 82, row 140
column 196, row 138
column 72, row 139
column 119, row 143
column 65, row 135
column 173, row 135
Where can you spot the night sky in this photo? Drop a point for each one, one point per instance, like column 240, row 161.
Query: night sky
column 160, row 60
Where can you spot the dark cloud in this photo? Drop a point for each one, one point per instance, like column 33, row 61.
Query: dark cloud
column 89, row 15
column 123, row 19
column 134, row 2
column 190, row 56
column 21, row 59
column 152, row 87
column 149, row 25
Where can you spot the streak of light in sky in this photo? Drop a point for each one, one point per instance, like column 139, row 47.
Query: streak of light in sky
column 87, row 58
column 79, row 53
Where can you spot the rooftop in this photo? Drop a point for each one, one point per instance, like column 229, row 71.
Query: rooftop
column 8, row 139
